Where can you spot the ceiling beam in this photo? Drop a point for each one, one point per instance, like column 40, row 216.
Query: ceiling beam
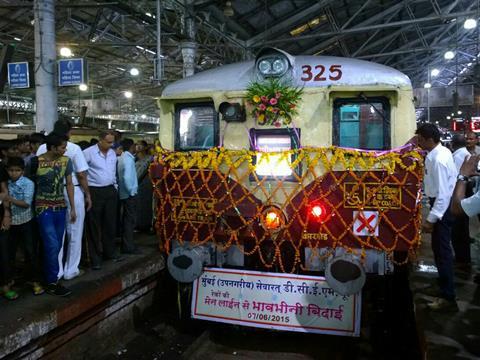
column 281, row 26
column 361, row 29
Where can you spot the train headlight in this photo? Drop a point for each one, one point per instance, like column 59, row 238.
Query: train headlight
column 272, row 219
column 280, row 66
column 273, row 65
column 264, row 67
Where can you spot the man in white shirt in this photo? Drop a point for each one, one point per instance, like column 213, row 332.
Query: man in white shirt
column 462, row 205
column 82, row 200
column 439, row 181
column 460, row 229
column 102, row 181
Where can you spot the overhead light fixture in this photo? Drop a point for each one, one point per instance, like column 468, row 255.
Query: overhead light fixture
column 132, row 122
column 134, row 71
column 449, row 55
column 435, row 72
column 228, row 10
column 66, row 52
column 83, row 87
column 459, row 112
column 449, row 117
column 427, row 85
column 16, row 38
column 146, row 50
column 143, row 116
column 470, row 24
column 128, row 94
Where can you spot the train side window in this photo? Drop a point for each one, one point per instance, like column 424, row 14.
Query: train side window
column 196, row 126
column 362, row 123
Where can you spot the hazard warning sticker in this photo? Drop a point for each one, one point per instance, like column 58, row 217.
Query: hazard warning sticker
column 366, row 223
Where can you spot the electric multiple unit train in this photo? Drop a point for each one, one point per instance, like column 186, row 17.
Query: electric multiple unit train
column 286, row 166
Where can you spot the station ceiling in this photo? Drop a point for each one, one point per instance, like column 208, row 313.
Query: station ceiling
column 114, row 36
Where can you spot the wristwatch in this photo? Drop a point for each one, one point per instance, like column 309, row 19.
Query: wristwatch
column 461, row 177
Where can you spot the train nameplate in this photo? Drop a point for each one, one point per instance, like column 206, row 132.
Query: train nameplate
column 193, row 210
column 372, row 195
column 315, row 236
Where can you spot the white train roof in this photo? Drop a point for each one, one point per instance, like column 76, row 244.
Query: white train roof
column 236, row 77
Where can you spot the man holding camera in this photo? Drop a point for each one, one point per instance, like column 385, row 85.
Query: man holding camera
column 469, row 206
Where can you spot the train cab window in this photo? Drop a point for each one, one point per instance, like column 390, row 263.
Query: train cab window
column 196, row 126
column 362, row 123
column 274, row 141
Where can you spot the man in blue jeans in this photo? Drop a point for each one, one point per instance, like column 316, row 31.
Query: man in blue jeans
column 440, row 178
column 51, row 208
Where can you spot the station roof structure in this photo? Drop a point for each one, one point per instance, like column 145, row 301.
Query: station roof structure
column 115, row 36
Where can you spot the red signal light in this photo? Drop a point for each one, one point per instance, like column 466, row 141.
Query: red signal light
column 317, row 212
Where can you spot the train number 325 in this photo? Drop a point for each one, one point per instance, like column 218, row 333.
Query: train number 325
column 317, row 73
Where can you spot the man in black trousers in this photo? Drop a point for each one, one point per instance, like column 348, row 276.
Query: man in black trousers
column 101, row 219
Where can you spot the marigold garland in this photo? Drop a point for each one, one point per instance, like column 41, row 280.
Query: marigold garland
column 238, row 164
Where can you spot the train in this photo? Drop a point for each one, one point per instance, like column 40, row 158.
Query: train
column 283, row 184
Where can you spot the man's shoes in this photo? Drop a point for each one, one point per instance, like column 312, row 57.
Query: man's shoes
column 58, row 290
column 443, row 305
column 78, row 274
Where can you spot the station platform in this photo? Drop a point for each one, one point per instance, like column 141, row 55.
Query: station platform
column 48, row 326
column 102, row 303
column 453, row 335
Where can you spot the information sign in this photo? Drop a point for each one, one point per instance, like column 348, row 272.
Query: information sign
column 18, row 75
column 71, row 72
column 275, row 301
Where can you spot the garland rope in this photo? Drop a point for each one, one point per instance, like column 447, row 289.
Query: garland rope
column 217, row 196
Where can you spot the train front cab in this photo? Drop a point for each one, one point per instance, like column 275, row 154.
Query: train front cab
column 305, row 198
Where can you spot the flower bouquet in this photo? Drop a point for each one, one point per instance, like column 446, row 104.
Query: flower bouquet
column 273, row 102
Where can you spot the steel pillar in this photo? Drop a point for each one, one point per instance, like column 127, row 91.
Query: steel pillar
column 45, row 61
column 189, row 47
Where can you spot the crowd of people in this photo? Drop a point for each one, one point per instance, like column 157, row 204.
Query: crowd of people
column 452, row 187
column 64, row 203
column 58, row 197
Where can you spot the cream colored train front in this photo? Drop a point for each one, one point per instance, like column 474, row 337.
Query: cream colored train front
column 316, row 182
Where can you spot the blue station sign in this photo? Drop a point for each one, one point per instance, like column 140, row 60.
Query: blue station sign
column 18, row 75
column 71, row 72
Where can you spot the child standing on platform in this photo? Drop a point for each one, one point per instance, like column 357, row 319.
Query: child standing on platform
column 20, row 197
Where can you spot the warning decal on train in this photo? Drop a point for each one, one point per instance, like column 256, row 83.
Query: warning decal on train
column 366, row 223
column 195, row 210
column 275, row 301
column 372, row 195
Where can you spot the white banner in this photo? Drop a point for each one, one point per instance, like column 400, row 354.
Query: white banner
column 275, row 301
